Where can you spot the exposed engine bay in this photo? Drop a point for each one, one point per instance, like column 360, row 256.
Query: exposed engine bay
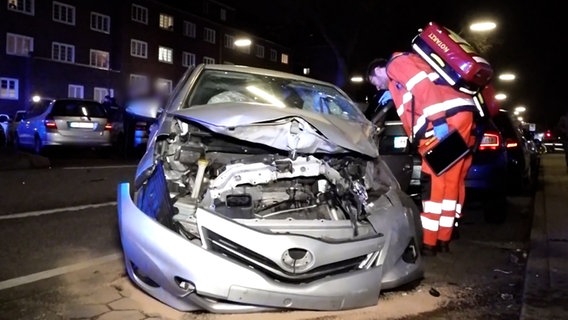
column 252, row 181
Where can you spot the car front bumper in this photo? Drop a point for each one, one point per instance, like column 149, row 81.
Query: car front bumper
column 189, row 276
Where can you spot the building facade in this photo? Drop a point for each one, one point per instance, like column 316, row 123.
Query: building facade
column 93, row 48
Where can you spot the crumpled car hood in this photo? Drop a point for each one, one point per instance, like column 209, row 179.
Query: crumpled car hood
column 275, row 127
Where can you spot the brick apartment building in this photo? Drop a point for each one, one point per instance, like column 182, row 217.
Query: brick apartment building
column 93, row 48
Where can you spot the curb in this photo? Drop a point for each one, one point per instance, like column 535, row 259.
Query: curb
column 537, row 280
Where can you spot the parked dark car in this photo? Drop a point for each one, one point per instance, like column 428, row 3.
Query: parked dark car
column 519, row 169
column 18, row 116
column 128, row 135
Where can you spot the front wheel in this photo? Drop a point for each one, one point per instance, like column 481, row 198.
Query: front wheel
column 38, row 145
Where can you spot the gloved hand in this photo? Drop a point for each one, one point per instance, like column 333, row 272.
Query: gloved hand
column 441, row 130
column 385, row 98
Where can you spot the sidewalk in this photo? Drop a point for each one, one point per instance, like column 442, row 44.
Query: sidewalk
column 546, row 280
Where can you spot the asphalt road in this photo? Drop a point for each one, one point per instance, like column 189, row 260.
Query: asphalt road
column 59, row 242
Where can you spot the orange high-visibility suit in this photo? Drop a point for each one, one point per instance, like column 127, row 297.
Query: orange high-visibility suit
column 423, row 98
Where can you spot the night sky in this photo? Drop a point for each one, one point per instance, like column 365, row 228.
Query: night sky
column 527, row 41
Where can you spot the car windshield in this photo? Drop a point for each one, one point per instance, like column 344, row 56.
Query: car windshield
column 74, row 108
column 220, row 87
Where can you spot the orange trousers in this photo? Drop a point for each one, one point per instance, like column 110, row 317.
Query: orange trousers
column 443, row 197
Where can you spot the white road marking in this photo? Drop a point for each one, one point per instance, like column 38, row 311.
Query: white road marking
column 101, row 167
column 57, row 271
column 51, row 211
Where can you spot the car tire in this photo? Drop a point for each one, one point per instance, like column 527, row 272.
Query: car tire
column 495, row 208
column 16, row 142
column 3, row 140
column 38, row 145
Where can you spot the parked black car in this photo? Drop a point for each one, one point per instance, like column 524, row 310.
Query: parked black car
column 520, row 179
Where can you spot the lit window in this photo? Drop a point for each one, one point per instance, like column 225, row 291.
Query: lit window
column 209, row 35
column 165, row 54
column 62, row 52
column 99, row 93
column 9, row 88
column 273, row 55
column 306, row 71
column 259, row 50
column 189, row 29
column 166, row 22
column 208, row 60
column 99, row 59
column 188, row 59
column 23, row 6
column 19, row 45
column 100, row 22
column 229, row 41
column 138, row 48
column 75, row 91
column 63, row 13
column 139, row 14
column 284, row 58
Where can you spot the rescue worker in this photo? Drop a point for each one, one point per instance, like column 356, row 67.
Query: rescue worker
column 428, row 107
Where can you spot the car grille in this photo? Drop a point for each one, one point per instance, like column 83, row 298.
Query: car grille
column 242, row 255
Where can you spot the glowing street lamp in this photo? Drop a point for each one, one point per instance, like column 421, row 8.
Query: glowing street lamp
column 357, row 79
column 244, row 42
column 520, row 109
column 482, row 26
column 500, row 96
column 507, row 77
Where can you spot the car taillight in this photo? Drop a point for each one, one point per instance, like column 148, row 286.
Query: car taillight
column 490, row 141
column 510, row 143
column 108, row 126
column 50, row 124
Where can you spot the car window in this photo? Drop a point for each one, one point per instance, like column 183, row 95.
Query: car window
column 216, row 87
column 19, row 116
column 37, row 108
column 75, row 108
column 505, row 125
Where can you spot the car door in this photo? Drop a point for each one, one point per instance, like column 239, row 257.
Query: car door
column 395, row 150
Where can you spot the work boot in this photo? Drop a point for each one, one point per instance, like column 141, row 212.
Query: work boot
column 428, row 250
column 443, row 246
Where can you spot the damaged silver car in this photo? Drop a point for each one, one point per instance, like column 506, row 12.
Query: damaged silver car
column 262, row 190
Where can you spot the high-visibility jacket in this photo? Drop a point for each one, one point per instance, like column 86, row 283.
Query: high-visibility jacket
column 415, row 86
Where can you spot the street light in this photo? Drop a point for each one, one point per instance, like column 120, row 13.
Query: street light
column 357, row 79
column 520, row 109
column 500, row 96
column 507, row 77
column 243, row 42
column 482, row 26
